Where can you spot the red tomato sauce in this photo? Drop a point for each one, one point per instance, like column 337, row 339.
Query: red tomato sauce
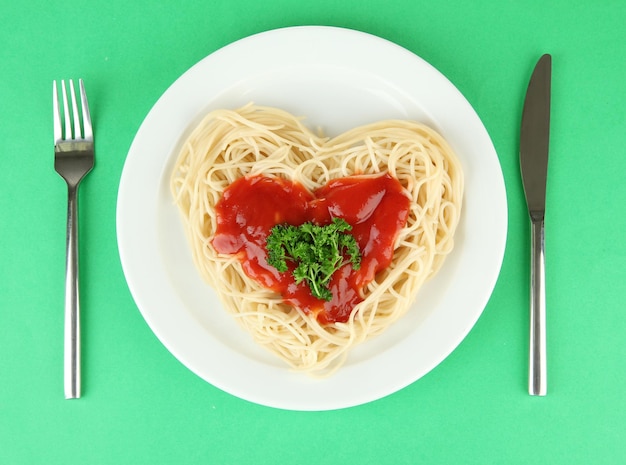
column 376, row 208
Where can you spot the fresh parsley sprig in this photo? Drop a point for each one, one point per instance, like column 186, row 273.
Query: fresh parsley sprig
column 318, row 251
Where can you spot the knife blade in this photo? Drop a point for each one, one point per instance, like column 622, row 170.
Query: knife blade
column 534, row 148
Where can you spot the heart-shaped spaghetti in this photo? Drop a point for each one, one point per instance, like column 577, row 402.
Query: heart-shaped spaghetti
column 228, row 145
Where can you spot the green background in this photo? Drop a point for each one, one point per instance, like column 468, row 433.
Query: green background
column 141, row 405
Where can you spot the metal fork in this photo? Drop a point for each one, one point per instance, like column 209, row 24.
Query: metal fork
column 73, row 159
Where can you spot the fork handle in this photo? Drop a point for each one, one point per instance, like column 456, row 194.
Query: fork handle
column 537, row 383
column 72, row 307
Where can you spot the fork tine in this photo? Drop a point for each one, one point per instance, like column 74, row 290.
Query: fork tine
column 66, row 113
column 88, row 131
column 56, row 116
column 77, row 129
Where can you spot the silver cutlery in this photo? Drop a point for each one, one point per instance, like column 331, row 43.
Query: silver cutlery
column 73, row 159
column 534, row 147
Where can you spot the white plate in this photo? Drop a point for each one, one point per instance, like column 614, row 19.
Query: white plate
column 338, row 79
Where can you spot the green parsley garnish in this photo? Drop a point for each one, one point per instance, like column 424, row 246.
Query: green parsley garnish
column 317, row 251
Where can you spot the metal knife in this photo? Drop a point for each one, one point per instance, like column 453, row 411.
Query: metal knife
column 534, row 147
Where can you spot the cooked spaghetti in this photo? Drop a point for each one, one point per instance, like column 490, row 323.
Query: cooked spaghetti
column 228, row 145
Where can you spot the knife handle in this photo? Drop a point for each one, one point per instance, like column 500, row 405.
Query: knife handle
column 537, row 383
